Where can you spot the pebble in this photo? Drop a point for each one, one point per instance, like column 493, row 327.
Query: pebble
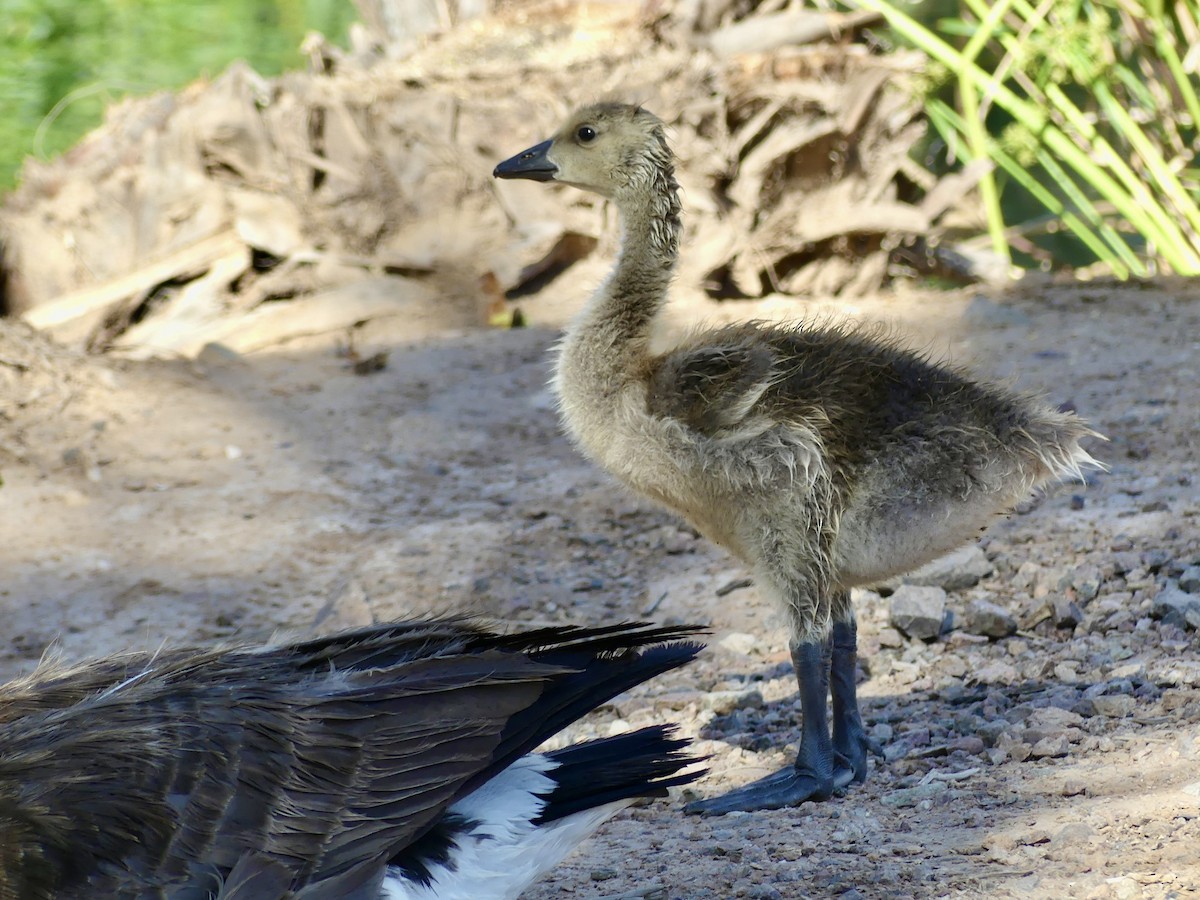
column 722, row 703
column 1052, row 721
column 906, row 797
column 739, row 642
column 1189, row 580
column 963, row 568
column 1175, row 607
column 970, row 744
column 918, row 610
column 1086, row 581
column 1114, row 706
column 1073, row 787
column 1026, row 575
column 1019, row 751
column 1067, row 613
column 1051, row 747
column 988, row 619
column 1066, row 672
column 989, row 732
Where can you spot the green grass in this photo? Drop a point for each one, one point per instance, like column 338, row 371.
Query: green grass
column 1088, row 111
column 62, row 62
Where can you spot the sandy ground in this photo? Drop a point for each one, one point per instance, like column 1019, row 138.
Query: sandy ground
column 189, row 501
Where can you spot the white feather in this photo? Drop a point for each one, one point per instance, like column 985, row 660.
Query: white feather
column 504, row 853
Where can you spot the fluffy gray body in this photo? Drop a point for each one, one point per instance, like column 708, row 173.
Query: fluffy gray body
column 823, row 457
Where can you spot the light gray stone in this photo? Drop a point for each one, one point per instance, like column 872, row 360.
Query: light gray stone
column 1114, row 706
column 1190, row 580
column 918, row 610
column 1178, row 608
column 955, row 571
column 1067, row 613
column 723, row 703
column 739, row 642
column 989, row 619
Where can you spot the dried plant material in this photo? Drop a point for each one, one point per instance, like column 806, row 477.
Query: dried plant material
column 185, row 215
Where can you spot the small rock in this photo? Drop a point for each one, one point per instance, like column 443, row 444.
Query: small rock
column 1176, row 699
column 215, row 354
column 1126, row 671
column 1114, row 706
column 990, row 732
column 1087, row 581
column 970, row 744
column 1073, row 787
column 722, row 703
column 1051, row 719
column 1066, row 672
column 1051, row 580
column 882, row 732
column 906, row 797
column 1125, row 888
column 739, row 642
column 1067, row 613
column 890, row 637
column 953, row 666
column 1174, row 607
column 676, row 541
column 996, row 672
column 955, row 571
column 987, row 618
column 1190, row 580
column 918, row 610
column 1073, row 833
column 1020, row 751
column 1051, row 747
column 1026, row 575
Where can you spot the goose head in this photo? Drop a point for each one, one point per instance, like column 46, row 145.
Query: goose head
column 615, row 150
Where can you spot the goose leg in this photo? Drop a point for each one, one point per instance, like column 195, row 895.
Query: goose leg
column 849, row 737
column 816, row 773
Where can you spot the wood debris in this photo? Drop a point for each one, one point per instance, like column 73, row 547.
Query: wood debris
column 234, row 210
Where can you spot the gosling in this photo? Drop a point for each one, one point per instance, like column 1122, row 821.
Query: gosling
column 390, row 763
column 822, row 457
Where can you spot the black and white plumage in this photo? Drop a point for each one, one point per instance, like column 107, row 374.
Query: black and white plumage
column 389, row 763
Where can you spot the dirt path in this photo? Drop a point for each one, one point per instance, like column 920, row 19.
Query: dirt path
column 189, row 501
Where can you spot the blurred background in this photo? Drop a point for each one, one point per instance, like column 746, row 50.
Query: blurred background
column 62, row 62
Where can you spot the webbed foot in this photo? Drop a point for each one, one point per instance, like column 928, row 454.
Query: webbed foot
column 787, row 787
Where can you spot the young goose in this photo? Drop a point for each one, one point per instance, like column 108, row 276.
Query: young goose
column 390, row 763
column 823, row 457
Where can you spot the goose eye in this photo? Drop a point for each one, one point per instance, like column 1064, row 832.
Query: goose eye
column 586, row 133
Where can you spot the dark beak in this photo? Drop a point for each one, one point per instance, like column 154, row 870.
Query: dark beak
column 531, row 164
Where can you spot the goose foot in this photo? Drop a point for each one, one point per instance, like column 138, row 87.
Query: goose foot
column 787, row 787
column 819, row 770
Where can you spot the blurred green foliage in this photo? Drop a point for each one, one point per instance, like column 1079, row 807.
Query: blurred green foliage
column 63, row 61
column 1088, row 111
